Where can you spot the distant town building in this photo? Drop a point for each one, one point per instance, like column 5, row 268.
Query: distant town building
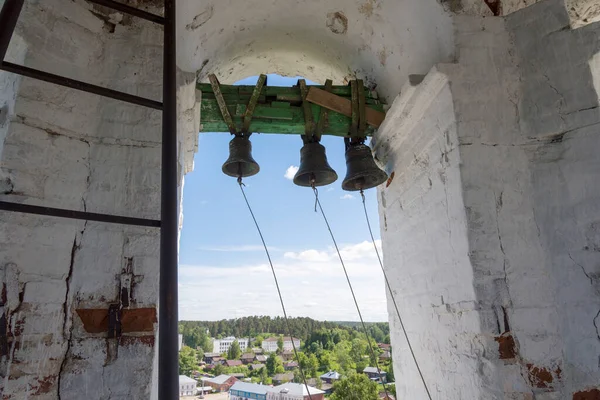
column 375, row 375
column 221, row 383
column 294, row 391
column 254, row 367
column 331, row 377
column 187, row 386
column 247, row 358
column 260, row 358
column 233, row 363
column 287, row 355
column 386, row 355
column 288, row 391
column 290, row 365
column 270, row 344
column 244, row 391
column 210, row 357
column 222, row 345
column 283, row 378
column 257, row 350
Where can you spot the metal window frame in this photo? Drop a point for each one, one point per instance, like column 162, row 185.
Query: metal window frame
column 168, row 362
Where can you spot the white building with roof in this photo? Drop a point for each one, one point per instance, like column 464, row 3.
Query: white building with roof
column 222, row 345
column 270, row 344
column 187, row 386
column 294, row 391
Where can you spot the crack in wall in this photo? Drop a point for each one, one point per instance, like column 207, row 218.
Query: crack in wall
column 597, row 324
column 582, row 269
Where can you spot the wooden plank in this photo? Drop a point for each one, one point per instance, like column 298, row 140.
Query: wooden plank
column 323, row 118
column 342, row 105
column 280, row 90
column 216, row 87
column 286, row 120
column 252, row 103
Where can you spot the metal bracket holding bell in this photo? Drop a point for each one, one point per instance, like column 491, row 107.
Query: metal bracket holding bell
column 240, row 163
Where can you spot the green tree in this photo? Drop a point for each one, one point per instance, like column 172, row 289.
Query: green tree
column 390, row 373
column 234, row 351
column 280, row 344
column 355, row 387
column 274, row 365
column 187, row 360
column 313, row 366
column 219, row 369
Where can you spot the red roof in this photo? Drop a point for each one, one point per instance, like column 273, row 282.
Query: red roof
column 233, row 363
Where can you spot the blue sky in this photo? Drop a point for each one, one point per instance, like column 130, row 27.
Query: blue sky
column 223, row 268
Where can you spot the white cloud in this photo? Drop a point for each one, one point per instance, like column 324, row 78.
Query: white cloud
column 347, row 196
column 308, row 255
column 312, row 283
column 236, row 249
column 290, row 172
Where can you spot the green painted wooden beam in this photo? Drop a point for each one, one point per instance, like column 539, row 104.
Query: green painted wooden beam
column 279, row 110
column 269, row 119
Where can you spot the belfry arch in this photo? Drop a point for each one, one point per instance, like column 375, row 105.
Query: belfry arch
column 489, row 223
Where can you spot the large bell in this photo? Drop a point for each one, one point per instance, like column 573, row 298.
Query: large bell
column 362, row 172
column 240, row 162
column 314, row 169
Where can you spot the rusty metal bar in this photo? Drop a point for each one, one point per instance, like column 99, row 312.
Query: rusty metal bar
column 309, row 126
column 9, row 15
column 78, row 85
column 168, row 354
column 136, row 12
column 81, row 215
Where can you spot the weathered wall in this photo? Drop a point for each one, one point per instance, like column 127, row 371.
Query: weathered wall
column 67, row 149
column 527, row 119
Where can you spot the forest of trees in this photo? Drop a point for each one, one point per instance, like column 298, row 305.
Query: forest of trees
column 195, row 332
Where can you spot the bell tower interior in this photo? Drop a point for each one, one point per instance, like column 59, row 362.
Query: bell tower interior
column 489, row 216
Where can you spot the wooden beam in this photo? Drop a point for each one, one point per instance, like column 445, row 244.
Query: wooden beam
column 342, row 105
column 276, row 117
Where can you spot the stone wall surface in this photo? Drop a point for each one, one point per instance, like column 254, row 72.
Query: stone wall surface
column 68, row 149
column 527, row 308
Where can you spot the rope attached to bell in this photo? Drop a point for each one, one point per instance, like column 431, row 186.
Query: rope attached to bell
column 389, row 287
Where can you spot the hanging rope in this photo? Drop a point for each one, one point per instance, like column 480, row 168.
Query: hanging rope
column 387, row 282
column 287, row 323
column 364, row 326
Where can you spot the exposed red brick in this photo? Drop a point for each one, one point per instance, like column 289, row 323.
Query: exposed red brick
column 130, row 340
column 94, row 320
column 132, row 320
column 138, row 320
column 45, row 384
column 541, row 377
column 506, row 346
column 390, row 179
column 592, row 394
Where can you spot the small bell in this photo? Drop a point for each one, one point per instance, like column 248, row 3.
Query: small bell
column 314, row 169
column 362, row 172
column 240, row 162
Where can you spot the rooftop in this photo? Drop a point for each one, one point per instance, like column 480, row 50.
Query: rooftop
column 233, row 363
column 219, row 380
column 186, row 379
column 373, row 370
column 250, row 387
column 285, row 339
column 331, row 375
column 294, row 389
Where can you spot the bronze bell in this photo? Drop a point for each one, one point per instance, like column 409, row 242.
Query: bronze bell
column 314, row 169
column 362, row 172
column 240, row 162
